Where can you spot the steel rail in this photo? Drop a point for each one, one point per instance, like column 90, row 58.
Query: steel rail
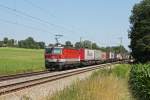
column 29, row 83
column 21, row 75
column 8, row 77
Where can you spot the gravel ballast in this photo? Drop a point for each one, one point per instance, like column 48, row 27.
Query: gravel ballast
column 40, row 92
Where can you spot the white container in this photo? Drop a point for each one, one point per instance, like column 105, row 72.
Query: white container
column 119, row 56
column 97, row 55
column 111, row 55
column 88, row 54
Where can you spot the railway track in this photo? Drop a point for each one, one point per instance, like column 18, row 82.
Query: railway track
column 8, row 77
column 12, row 87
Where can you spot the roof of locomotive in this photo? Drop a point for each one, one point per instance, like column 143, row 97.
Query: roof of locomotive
column 54, row 47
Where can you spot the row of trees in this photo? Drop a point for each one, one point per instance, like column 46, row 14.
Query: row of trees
column 27, row 43
column 88, row 44
column 7, row 42
column 84, row 44
column 32, row 44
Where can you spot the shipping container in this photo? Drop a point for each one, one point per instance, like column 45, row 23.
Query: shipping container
column 103, row 56
column 111, row 55
column 86, row 54
column 97, row 55
column 119, row 57
column 107, row 55
column 89, row 54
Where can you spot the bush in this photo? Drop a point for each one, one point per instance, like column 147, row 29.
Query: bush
column 140, row 81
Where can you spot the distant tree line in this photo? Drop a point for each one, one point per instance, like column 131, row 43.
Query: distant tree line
column 27, row 43
column 89, row 45
column 32, row 44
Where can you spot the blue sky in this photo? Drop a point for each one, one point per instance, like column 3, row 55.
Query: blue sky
column 101, row 21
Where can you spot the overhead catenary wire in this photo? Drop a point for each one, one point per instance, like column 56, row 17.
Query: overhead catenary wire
column 46, row 12
column 17, row 16
column 32, row 17
column 26, row 26
column 38, row 7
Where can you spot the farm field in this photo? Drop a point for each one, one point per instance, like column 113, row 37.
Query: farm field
column 17, row 60
column 102, row 85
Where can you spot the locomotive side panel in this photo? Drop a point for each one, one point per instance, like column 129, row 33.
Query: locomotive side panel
column 70, row 55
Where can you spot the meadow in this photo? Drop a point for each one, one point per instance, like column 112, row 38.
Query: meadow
column 102, row 85
column 18, row 60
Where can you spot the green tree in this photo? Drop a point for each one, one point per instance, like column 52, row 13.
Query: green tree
column 21, row 44
column 51, row 45
column 1, row 43
column 77, row 45
column 41, row 45
column 5, row 40
column 95, row 46
column 119, row 49
column 30, row 43
column 87, row 44
column 11, row 42
column 68, row 44
column 84, row 44
column 140, row 31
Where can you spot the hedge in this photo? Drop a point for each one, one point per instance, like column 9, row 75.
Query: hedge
column 140, row 81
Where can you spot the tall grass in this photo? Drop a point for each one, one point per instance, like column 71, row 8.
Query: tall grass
column 122, row 71
column 102, row 85
column 16, row 60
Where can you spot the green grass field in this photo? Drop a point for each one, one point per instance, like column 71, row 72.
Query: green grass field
column 17, row 60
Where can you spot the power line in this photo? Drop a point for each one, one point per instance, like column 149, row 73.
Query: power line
column 26, row 26
column 32, row 17
column 38, row 7
column 24, row 17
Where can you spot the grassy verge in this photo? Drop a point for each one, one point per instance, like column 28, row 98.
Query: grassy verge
column 102, row 85
column 16, row 60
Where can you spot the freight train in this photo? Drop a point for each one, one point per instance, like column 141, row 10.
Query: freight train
column 61, row 57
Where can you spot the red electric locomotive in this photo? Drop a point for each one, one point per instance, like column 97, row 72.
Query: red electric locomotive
column 60, row 57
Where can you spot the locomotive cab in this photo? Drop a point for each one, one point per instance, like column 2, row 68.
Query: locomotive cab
column 53, row 57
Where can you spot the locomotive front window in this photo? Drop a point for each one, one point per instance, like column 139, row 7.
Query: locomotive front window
column 48, row 50
column 56, row 51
